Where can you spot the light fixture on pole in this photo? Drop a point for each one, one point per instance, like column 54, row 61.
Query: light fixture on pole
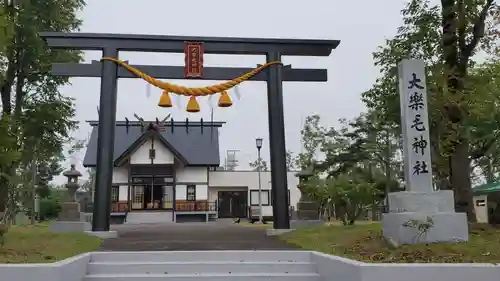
column 258, row 144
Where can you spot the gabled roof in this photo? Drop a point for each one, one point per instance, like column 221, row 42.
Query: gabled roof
column 142, row 139
column 194, row 145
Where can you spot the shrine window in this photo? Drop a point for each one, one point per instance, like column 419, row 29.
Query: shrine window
column 191, row 192
column 115, row 191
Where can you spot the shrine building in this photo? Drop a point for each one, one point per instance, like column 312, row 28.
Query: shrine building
column 171, row 173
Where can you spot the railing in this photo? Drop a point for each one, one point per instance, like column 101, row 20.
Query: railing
column 182, row 206
column 196, row 206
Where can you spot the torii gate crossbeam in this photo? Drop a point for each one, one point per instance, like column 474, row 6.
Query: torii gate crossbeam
column 111, row 44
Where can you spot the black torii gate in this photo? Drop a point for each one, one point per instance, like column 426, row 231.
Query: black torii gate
column 111, row 44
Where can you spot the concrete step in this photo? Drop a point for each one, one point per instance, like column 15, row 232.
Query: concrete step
column 188, row 256
column 205, row 277
column 199, row 267
column 149, row 217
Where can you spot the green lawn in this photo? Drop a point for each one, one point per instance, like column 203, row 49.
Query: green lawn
column 36, row 244
column 364, row 242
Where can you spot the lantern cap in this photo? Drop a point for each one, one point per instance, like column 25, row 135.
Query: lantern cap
column 304, row 173
column 72, row 172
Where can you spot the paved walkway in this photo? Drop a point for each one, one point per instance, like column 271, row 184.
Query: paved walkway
column 191, row 237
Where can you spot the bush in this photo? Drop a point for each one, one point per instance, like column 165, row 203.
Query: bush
column 49, row 208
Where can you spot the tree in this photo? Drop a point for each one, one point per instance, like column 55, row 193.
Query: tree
column 485, row 130
column 348, row 194
column 290, row 161
column 311, row 137
column 89, row 184
column 259, row 163
column 358, row 167
column 36, row 118
column 446, row 38
column 46, row 172
column 464, row 25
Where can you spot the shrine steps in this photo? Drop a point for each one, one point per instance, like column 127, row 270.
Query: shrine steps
column 202, row 266
column 149, row 217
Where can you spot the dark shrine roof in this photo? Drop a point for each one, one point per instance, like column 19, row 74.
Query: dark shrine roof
column 194, row 145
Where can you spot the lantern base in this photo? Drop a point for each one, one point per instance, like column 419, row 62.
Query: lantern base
column 70, row 211
column 307, row 210
column 70, row 226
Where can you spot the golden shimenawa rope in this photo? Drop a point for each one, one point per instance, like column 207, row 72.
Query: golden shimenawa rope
column 181, row 90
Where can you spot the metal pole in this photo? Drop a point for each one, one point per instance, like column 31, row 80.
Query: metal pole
column 259, row 168
column 279, row 191
column 387, row 168
column 105, row 143
column 33, row 191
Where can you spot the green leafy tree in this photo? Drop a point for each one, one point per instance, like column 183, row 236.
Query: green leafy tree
column 312, row 135
column 36, row 118
column 348, row 194
column 89, row 184
column 290, row 161
column 46, row 172
column 259, row 163
column 446, row 38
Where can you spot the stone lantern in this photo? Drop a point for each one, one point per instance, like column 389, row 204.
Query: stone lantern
column 306, row 208
column 72, row 185
column 70, row 218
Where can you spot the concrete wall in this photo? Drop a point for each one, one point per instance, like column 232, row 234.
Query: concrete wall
column 72, row 269
column 329, row 267
column 337, row 268
column 249, row 181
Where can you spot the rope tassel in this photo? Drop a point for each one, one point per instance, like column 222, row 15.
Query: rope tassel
column 193, row 105
column 225, row 100
column 165, row 100
column 184, row 91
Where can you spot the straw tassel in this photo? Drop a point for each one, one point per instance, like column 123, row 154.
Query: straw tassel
column 165, row 100
column 225, row 100
column 193, row 105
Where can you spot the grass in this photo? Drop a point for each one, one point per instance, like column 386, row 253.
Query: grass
column 270, row 224
column 364, row 242
column 36, row 244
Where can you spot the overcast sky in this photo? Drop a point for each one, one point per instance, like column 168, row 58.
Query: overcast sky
column 360, row 25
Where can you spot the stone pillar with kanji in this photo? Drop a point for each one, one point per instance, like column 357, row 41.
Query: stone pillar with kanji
column 421, row 214
column 70, row 218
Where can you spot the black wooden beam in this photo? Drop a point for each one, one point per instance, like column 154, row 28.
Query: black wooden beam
column 177, row 72
column 175, row 44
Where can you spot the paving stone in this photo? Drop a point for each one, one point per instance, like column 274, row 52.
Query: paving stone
column 191, row 237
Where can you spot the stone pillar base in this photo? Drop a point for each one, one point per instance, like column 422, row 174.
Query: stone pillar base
column 407, row 208
column 70, row 226
column 103, row 234
column 307, row 210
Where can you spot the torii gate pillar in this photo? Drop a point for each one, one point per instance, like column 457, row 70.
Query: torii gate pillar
column 108, row 71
